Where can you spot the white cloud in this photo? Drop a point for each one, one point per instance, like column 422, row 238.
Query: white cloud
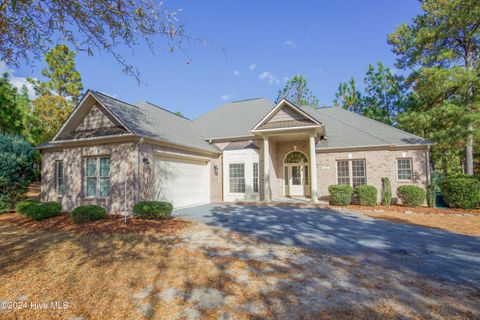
column 290, row 44
column 225, row 97
column 236, row 73
column 17, row 82
column 268, row 77
column 252, row 67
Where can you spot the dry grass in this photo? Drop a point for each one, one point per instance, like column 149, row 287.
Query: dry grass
column 98, row 268
column 460, row 221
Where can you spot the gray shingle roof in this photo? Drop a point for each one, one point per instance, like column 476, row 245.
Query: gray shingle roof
column 148, row 120
column 348, row 129
column 236, row 119
column 233, row 119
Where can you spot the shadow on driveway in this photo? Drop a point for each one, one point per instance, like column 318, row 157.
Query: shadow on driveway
column 427, row 251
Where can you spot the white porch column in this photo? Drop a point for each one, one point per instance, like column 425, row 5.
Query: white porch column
column 267, row 195
column 313, row 168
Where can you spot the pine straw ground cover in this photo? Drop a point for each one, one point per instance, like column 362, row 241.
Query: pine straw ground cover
column 457, row 220
column 174, row 269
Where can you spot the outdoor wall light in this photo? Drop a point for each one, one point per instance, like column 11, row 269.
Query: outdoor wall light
column 146, row 162
column 215, row 169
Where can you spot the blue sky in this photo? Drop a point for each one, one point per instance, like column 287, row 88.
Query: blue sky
column 265, row 42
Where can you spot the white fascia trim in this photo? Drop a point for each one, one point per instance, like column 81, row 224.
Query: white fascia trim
column 379, row 146
column 278, row 106
column 169, row 154
column 288, row 128
column 112, row 137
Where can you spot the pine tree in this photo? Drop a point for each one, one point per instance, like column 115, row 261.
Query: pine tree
column 297, row 91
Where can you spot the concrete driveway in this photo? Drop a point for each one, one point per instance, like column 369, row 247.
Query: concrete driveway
column 424, row 251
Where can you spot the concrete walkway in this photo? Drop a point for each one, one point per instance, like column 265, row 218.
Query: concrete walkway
column 426, row 251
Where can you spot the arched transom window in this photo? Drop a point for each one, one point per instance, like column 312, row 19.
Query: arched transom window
column 296, row 157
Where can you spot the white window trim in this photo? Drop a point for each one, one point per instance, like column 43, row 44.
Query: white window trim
column 411, row 169
column 244, row 178
column 350, row 170
column 98, row 177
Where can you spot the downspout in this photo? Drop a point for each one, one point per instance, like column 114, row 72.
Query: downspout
column 137, row 169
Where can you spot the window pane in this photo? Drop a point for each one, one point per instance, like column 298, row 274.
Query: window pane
column 358, row 172
column 104, row 167
column 343, row 172
column 59, row 176
column 104, row 187
column 296, row 176
column 404, row 169
column 237, row 177
column 255, row 177
column 306, row 175
column 91, row 167
column 91, row 187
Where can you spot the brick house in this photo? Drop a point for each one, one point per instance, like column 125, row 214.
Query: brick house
column 113, row 154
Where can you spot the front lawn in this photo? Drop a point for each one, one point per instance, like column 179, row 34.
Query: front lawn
column 177, row 269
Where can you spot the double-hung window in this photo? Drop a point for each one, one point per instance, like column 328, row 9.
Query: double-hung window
column 59, row 177
column 404, row 169
column 351, row 172
column 97, row 177
column 255, row 177
column 237, row 177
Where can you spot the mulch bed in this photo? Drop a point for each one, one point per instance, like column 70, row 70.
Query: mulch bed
column 422, row 210
column 112, row 224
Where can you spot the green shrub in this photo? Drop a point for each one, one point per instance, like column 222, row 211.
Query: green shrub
column 365, row 195
column 386, row 192
column 461, row 193
column 43, row 210
column 16, row 169
column 152, row 209
column 411, row 196
column 340, row 194
column 431, row 196
column 22, row 206
column 82, row 214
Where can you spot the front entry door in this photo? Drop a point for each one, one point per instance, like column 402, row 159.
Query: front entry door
column 297, row 180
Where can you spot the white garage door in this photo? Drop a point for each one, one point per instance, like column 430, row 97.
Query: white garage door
column 183, row 182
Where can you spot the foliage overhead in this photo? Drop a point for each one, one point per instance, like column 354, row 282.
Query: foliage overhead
column 296, row 90
column 29, row 28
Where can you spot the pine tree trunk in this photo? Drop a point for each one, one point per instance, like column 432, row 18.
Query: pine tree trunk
column 469, row 152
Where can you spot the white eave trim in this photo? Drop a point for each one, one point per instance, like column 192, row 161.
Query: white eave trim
column 288, row 128
column 278, row 106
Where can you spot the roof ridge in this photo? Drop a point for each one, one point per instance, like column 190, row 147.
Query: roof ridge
column 116, row 99
column 382, row 123
column 241, row 100
column 164, row 109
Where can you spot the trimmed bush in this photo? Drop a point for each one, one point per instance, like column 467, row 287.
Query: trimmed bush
column 431, row 196
column 461, row 193
column 365, row 195
column 43, row 210
column 411, row 196
column 22, row 206
column 82, row 214
column 340, row 194
column 386, row 192
column 152, row 209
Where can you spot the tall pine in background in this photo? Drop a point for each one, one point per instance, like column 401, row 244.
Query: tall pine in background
column 442, row 48
column 58, row 95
